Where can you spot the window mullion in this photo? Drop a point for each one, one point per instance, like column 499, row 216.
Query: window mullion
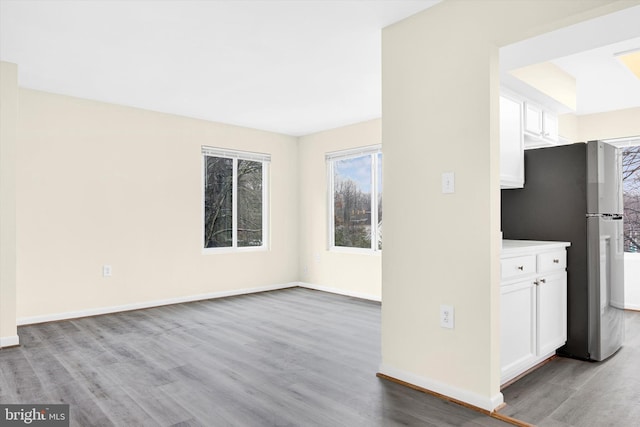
column 265, row 205
column 374, row 211
column 234, row 205
column 331, row 195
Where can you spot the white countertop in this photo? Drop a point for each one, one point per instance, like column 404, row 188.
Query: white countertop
column 515, row 247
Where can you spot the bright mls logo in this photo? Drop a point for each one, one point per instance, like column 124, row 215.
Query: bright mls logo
column 34, row 415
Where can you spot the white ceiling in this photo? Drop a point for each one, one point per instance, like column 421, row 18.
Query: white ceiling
column 293, row 67
column 585, row 51
column 603, row 83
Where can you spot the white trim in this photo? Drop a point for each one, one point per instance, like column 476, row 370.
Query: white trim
column 10, row 341
column 264, row 160
column 22, row 321
column 235, row 154
column 331, row 204
column 266, row 206
column 466, row 396
column 234, row 203
column 353, row 152
column 373, row 151
column 631, row 141
column 234, row 249
column 340, row 291
column 148, row 304
column 352, row 250
column 635, row 307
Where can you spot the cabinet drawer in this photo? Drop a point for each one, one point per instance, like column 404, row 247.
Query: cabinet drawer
column 518, row 266
column 552, row 261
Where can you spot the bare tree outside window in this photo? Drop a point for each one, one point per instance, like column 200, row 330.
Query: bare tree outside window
column 249, row 203
column 218, row 225
column 222, row 213
column 631, row 198
column 357, row 201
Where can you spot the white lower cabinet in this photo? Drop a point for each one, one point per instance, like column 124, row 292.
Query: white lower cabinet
column 518, row 326
column 533, row 304
column 551, row 319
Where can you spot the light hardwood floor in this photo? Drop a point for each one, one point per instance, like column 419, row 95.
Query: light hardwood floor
column 567, row 392
column 294, row 357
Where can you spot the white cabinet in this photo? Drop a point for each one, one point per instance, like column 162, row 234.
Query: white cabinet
column 518, row 327
column 540, row 126
column 511, row 143
column 552, row 301
column 532, row 119
column 533, row 304
column 523, row 124
column 550, row 127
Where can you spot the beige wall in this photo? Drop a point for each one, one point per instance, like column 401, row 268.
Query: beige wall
column 350, row 273
column 609, row 125
column 568, row 127
column 614, row 124
column 440, row 95
column 8, row 118
column 104, row 184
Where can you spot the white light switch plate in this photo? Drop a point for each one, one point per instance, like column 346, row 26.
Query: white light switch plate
column 448, row 182
column 106, row 270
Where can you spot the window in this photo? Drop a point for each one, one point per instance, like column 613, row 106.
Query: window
column 355, row 198
column 631, row 198
column 235, row 201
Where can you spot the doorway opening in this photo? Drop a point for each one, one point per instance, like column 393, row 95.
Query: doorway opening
column 629, row 149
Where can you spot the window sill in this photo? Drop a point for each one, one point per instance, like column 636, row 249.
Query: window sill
column 212, row 251
column 356, row 251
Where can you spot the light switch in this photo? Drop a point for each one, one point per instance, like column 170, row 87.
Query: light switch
column 106, row 270
column 448, row 182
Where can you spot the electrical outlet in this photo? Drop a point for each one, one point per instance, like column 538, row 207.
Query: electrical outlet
column 106, row 270
column 446, row 316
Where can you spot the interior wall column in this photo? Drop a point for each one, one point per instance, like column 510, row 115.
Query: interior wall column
column 8, row 126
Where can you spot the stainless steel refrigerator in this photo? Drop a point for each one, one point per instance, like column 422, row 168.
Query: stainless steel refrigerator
column 574, row 193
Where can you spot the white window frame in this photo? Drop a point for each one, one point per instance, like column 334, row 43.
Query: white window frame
column 331, row 158
column 236, row 155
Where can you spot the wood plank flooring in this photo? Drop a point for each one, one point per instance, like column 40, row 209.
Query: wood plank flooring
column 293, row 357
column 567, row 392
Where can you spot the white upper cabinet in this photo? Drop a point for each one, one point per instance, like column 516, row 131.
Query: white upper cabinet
column 511, row 143
column 523, row 124
column 550, row 126
column 533, row 119
column 540, row 126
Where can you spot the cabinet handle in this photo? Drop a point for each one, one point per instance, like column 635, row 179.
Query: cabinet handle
column 556, row 261
column 521, row 267
column 543, row 280
column 536, row 283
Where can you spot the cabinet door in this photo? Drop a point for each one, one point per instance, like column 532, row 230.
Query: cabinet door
column 550, row 126
column 517, row 327
column 552, row 312
column 533, row 119
column 511, row 144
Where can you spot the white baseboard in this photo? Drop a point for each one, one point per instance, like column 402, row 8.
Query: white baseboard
column 635, row 307
column 340, row 291
column 11, row 341
column 465, row 396
column 21, row 321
